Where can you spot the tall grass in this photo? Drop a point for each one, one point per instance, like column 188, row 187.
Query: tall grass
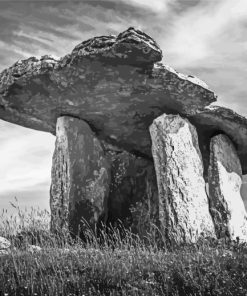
column 115, row 263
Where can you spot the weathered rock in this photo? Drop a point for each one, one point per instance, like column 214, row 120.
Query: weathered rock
column 80, row 176
column 34, row 249
column 4, row 243
column 133, row 197
column 132, row 47
column 183, row 204
column 215, row 119
column 110, row 82
column 225, row 179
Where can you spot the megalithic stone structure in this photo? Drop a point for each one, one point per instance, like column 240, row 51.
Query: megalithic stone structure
column 224, row 180
column 80, row 177
column 118, row 85
column 183, row 205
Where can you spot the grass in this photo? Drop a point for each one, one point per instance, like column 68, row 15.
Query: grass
column 114, row 265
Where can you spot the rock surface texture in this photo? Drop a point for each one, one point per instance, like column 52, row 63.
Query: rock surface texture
column 80, row 176
column 183, row 205
column 225, row 179
column 214, row 119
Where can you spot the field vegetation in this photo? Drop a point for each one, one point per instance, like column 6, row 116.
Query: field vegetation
column 115, row 264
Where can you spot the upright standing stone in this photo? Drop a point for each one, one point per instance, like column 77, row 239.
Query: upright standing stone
column 80, row 176
column 225, row 179
column 183, row 204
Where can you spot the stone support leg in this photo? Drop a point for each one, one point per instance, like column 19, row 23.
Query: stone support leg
column 225, row 179
column 183, row 203
column 80, row 176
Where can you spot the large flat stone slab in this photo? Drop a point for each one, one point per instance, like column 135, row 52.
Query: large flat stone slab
column 114, row 83
column 225, row 180
column 183, row 204
column 118, row 85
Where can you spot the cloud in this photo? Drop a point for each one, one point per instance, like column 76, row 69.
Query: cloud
column 39, row 28
column 209, row 40
column 158, row 6
column 198, row 33
column 25, row 159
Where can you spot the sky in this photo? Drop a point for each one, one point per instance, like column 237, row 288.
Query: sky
column 204, row 38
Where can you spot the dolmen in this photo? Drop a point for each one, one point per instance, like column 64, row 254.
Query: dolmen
column 136, row 141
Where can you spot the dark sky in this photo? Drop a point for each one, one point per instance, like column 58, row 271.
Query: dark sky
column 204, row 38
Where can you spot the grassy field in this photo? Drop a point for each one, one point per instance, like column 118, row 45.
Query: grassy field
column 114, row 266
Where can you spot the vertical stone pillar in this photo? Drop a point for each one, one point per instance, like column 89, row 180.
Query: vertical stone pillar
column 80, row 176
column 183, row 203
column 225, row 179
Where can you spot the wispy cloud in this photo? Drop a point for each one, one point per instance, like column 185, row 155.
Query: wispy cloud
column 204, row 30
column 157, row 6
column 210, row 40
column 56, row 27
column 25, row 158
